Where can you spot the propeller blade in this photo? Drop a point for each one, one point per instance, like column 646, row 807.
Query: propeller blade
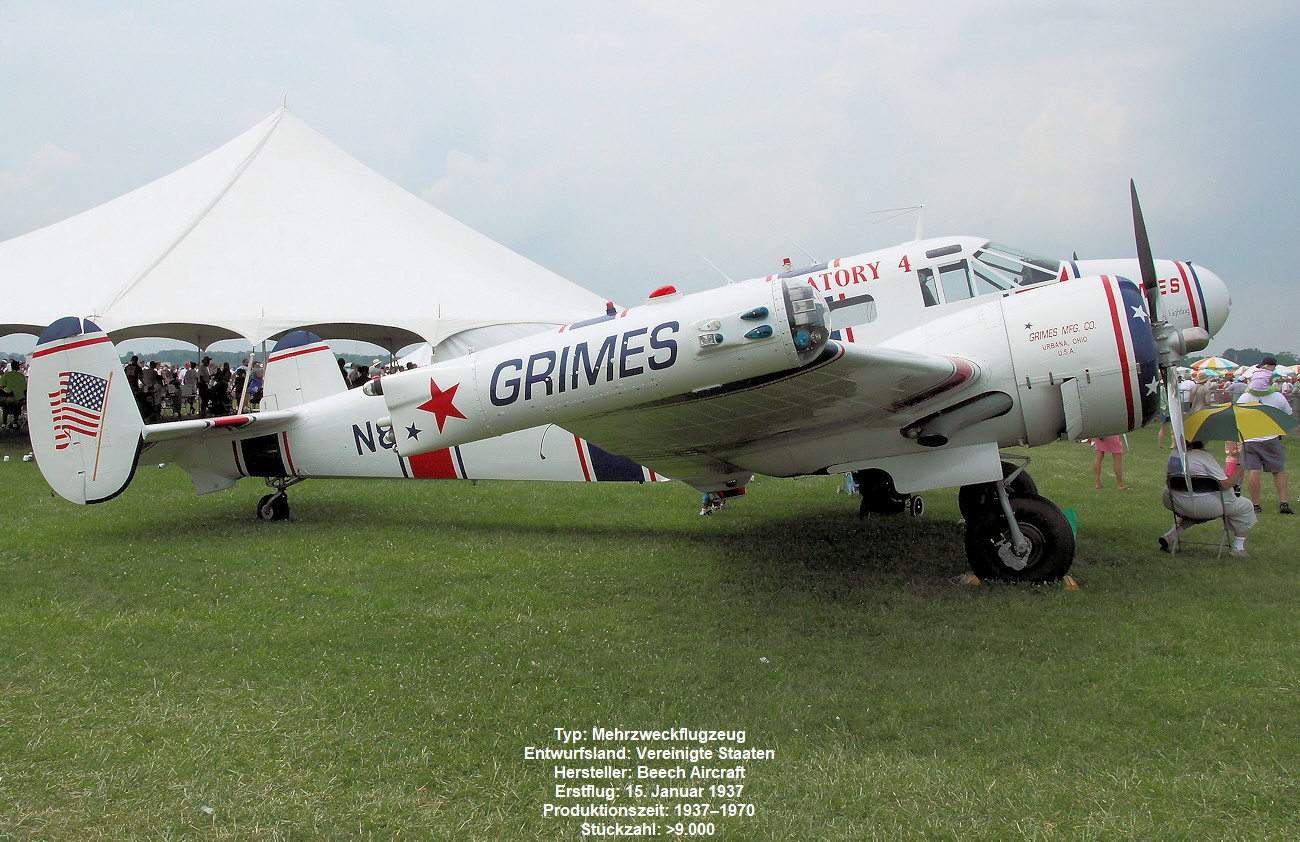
column 1175, row 399
column 1147, row 263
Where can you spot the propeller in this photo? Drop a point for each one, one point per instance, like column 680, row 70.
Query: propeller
column 1146, row 263
column 1171, row 343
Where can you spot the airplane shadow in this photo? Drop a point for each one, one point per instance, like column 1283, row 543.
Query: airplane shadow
column 829, row 551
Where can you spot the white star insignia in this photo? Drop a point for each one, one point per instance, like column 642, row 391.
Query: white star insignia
column 1154, row 386
column 1139, row 313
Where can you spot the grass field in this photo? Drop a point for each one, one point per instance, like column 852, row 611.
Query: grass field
column 375, row 667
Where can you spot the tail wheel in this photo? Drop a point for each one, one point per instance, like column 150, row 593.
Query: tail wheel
column 976, row 500
column 273, row 507
column 1050, row 553
column 879, row 496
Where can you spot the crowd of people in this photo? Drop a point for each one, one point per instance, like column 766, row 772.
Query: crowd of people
column 166, row 392
column 206, row 390
column 357, row 374
column 203, row 389
column 1212, row 388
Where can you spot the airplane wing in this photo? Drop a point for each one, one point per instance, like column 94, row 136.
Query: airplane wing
column 697, row 432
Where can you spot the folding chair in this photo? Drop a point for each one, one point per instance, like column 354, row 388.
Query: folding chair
column 1201, row 501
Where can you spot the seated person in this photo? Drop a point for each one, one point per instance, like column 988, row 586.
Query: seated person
column 1239, row 511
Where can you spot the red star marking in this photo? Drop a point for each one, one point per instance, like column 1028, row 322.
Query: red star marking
column 440, row 404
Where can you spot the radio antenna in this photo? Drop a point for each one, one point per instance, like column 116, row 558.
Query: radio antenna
column 807, row 253
column 715, row 267
column 897, row 212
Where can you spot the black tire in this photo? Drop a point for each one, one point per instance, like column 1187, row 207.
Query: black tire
column 273, row 507
column 916, row 506
column 975, row 501
column 1044, row 525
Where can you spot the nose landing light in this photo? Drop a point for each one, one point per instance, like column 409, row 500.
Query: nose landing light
column 807, row 315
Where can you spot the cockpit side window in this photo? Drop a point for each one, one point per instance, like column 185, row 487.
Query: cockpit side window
column 929, row 292
column 958, row 282
column 955, row 281
column 988, row 282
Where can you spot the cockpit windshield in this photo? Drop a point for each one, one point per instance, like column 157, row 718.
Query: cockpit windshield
column 1005, row 267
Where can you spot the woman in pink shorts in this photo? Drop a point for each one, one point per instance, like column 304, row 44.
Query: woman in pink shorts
column 1114, row 445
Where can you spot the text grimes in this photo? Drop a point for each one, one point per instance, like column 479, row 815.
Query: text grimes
column 622, row 355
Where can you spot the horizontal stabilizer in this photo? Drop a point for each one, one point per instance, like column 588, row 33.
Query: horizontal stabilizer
column 267, row 423
column 85, row 424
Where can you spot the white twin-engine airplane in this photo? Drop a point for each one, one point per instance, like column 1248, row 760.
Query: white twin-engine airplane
column 907, row 368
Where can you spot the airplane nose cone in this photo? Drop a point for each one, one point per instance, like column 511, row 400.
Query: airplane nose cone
column 1218, row 302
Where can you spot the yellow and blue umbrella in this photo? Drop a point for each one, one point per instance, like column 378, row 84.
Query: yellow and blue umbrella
column 1237, row 422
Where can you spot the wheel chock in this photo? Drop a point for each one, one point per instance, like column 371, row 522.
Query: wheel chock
column 966, row 579
column 1069, row 583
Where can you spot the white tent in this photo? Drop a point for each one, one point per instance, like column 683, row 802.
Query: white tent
column 277, row 230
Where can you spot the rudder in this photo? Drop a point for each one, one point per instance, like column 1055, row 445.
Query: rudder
column 84, row 423
column 300, row 369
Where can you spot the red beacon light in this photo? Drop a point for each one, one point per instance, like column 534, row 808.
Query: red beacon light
column 663, row 292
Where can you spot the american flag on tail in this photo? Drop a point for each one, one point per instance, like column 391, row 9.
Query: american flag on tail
column 77, row 407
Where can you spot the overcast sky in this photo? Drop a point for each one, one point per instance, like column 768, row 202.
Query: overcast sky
column 620, row 144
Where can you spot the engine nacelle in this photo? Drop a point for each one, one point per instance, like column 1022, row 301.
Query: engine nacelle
column 672, row 345
column 1092, row 373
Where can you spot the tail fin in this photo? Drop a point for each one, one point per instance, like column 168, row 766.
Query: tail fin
column 85, row 425
column 301, row 368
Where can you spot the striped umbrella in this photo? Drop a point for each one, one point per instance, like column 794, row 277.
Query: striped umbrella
column 1214, row 364
column 1237, row 421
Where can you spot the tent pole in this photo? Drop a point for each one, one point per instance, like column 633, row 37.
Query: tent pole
column 243, row 397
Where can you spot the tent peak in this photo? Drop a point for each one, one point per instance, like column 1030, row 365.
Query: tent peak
column 222, row 188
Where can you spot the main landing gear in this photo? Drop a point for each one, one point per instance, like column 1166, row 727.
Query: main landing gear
column 275, row 506
column 1012, row 533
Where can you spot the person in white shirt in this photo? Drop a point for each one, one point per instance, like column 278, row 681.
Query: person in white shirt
column 1265, row 453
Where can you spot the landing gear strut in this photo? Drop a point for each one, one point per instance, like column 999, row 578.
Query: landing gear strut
column 275, row 506
column 975, row 500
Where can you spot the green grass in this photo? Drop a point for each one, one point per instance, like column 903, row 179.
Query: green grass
column 374, row 668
